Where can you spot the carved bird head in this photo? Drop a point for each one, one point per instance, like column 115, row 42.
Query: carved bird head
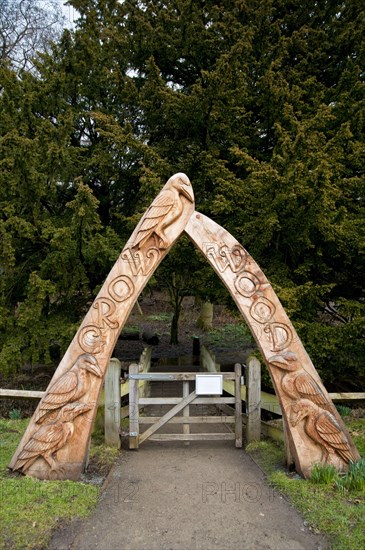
column 182, row 184
column 286, row 361
column 70, row 411
column 300, row 409
column 88, row 362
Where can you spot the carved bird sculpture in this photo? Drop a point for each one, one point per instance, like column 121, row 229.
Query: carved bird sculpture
column 69, row 388
column 323, row 428
column 51, row 437
column 298, row 383
column 165, row 209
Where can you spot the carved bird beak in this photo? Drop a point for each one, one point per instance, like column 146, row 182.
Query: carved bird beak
column 93, row 368
column 187, row 190
column 285, row 361
column 278, row 361
column 296, row 416
column 69, row 412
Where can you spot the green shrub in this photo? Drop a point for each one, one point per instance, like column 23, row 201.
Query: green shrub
column 324, row 474
column 354, row 479
column 15, row 414
column 343, row 410
column 231, row 335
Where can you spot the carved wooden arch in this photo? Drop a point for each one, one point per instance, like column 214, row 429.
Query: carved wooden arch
column 55, row 443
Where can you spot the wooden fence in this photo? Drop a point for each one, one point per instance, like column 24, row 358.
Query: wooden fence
column 253, row 396
column 110, row 403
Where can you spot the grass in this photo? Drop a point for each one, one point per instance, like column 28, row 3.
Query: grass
column 230, row 336
column 324, row 474
column 356, row 427
column 269, row 455
column 103, row 457
column 32, row 509
column 159, row 317
column 333, row 504
column 340, row 517
column 354, row 480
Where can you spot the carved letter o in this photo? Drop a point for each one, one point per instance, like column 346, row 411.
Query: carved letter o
column 247, row 284
column 121, row 288
column 262, row 310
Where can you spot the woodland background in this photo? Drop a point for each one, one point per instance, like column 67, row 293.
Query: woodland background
column 260, row 102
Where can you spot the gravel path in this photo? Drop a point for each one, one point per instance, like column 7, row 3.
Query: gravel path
column 207, row 495
column 173, row 496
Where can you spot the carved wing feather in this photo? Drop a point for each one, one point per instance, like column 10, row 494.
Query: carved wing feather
column 61, row 392
column 308, row 388
column 45, row 439
column 148, row 224
column 330, row 431
column 158, row 209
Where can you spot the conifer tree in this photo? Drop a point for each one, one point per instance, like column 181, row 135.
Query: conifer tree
column 260, row 103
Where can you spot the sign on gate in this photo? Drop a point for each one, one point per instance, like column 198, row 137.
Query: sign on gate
column 209, row 384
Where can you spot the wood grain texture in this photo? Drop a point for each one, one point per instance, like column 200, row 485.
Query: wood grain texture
column 317, row 433
column 73, row 382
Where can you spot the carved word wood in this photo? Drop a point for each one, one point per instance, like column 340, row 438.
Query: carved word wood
column 315, row 429
column 55, row 443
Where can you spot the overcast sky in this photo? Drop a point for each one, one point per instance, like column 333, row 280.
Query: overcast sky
column 69, row 12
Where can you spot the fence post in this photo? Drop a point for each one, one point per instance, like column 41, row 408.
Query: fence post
column 133, row 408
column 186, row 410
column 112, row 405
column 253, row 399
column 238, row 404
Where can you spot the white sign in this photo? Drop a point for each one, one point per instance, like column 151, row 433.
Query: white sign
column 209, row 384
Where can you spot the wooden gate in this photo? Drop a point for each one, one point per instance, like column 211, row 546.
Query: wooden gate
column 182, row 405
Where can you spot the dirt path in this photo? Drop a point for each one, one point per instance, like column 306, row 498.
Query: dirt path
column 207, row 495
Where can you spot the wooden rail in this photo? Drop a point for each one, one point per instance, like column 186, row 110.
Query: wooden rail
column 114, row 391
column 21, row 393
column 268, row 401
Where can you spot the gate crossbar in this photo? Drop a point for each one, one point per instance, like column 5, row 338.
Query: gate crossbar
column 175, row 376
column 166, row 417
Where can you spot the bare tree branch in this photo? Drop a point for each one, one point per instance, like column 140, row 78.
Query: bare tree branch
column 26, row 28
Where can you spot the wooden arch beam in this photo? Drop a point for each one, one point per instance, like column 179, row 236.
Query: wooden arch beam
column 55, row 444
column 315, row 429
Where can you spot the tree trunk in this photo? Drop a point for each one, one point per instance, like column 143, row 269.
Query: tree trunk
column 174, row 334
column 205, row 320
column 138, row 306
